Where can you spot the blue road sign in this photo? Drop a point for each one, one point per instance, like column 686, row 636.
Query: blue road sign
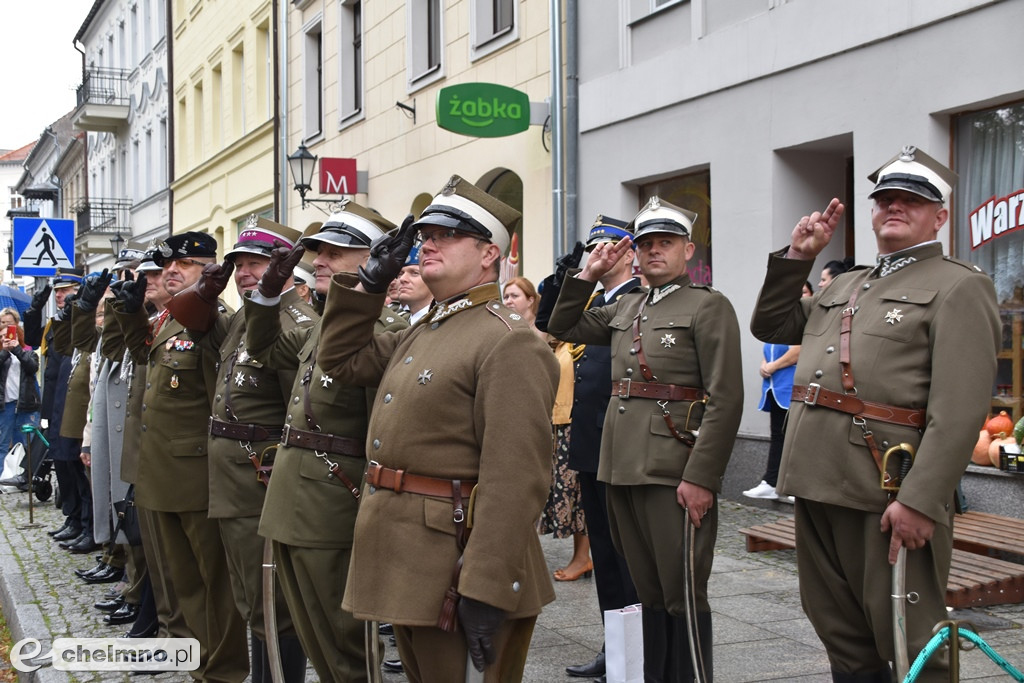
column 42, row 245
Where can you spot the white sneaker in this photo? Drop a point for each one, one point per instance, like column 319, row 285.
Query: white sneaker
column 762, row 490
column 787, row 499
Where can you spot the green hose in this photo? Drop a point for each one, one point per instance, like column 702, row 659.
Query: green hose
column 942, row 636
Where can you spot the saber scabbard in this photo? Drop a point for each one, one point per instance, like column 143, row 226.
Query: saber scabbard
column 690, row 598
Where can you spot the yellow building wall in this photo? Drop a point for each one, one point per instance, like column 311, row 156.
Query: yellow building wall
column 405, row 159
column 223, row 116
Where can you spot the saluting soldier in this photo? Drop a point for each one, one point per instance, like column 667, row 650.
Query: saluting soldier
column 902, row 353
column 173, row 472
column 245, row 427
column 675, row 368
column 311, row 502
column 460, row 436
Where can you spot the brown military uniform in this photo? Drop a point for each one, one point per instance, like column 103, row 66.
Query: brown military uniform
column 690, row 338
column 309, row 513
column 924, row 336
column 174, row 414
column 464, row 394
column 248, row 393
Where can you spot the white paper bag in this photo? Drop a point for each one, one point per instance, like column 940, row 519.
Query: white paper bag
column 624, row 645
column 12, row 466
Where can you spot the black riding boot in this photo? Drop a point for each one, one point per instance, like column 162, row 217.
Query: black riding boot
column 657, row 626
column 882, row 676
column 293, row 659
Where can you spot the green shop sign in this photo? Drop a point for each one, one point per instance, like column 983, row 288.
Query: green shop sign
column 483, row 110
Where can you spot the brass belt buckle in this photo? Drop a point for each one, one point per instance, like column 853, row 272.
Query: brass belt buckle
column 811, row 397
column 625, row 385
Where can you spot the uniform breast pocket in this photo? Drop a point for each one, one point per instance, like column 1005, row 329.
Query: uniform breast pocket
column 181, row 375
column 620, row 323
column 823, row 316
column 668, row 336
column 902, row 314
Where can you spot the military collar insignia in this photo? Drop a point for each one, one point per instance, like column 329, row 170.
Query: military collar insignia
column 474, row 297
column 894, row 316
column 298, row 316
column 659, row 293
column 891, row 263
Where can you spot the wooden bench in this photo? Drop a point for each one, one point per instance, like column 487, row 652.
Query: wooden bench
column 975, row 578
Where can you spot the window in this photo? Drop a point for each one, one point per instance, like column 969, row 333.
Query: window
column 147, row 24
column 121, row 42
column 314, row 81
column 135, row 35
column 147, row 167
column 265, row 77
column 197, row 122
column 351, row 53
column 136, row 173
column 161, row 18
column 179, row 132
column 238, row 89
column 639, row 9
column 692, row 192
column 492, row 24
column 161, row 169
column 424, row 43
column 217, row 134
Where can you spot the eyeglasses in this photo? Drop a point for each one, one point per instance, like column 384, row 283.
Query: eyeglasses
column 187, row 262
column 441, row 238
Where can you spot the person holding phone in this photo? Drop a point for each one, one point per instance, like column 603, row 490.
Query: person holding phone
column 18, row 367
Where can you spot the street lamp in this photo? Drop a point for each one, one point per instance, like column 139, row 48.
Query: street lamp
column 116, row 242
column 302, row 164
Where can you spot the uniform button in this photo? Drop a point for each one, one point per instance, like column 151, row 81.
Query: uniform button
column 867, row 285
column 143, row 406
column 818, row 374
column 640, row 335
column 295, row 400
column 117, row 380
column 175, row 363
column 946, row 506
column 629, row 371
column 387, row 398
column 149, row 384
column 644, row 319
column 578, row 378
column 143, row 427
column 632, row 352
column 830, row 349
column 408, row 360
column 117, row 428
column 152, row 363
column 584, row 357
column 885, row 444
column 376, row 444
column 515, row 586
column 575, row 400
column 622, row 409
column 217, row 398
column 117, row 404
column 671, row 324
column 288, row 419
column 434, row 326
column 903, row 298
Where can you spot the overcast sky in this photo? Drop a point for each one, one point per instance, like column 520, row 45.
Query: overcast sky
column 41, row 66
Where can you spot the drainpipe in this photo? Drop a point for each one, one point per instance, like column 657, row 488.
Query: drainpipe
column 557, row 150
column 572, row 122
column 281, row 110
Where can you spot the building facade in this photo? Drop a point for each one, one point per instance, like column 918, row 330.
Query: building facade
column 753, row 113
column 12, row 204
column 223, row 98
column 363, row 80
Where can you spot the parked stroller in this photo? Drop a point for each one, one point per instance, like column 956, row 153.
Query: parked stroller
column 37, row 460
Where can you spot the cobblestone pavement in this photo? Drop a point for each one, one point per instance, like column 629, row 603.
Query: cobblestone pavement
column 760, row 631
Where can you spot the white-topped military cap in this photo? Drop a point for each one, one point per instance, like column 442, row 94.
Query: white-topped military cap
column 914, row 171
column 353, row 227
column 661, row 216
column 461, row 205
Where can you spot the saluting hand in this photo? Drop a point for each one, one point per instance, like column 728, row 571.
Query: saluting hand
column 603, row 258
column 40, row 298
column 214, row 280
column 387, row 258
column 812, row 233
column 280, row 269
column 92, row 290
column 132, row 293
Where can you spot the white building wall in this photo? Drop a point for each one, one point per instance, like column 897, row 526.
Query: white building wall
column 772, row 105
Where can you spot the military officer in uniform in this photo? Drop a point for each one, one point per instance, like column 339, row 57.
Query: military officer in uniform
column 459, row 437
column 675, row 367
column 311, row 503
column 592, row 366
column 902, row 353
column 173, row 473
column 248, row 411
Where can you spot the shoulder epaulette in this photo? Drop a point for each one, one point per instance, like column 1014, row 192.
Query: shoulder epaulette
column 966, row 264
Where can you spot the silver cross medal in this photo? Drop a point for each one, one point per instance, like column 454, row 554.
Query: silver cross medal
column 894, row 316
column 668, row 341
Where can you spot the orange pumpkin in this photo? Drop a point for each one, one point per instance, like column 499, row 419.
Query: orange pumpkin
column 980, row 454
column 993, row 449
column 1000, row 425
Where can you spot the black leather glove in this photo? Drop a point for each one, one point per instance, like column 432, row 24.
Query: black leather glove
column 40, row 298
column 65, row 312
column 480, row 623
column 387, row 258
column 214, row 280
column 280, row 270
column 92, row 290
column 567, row 261
column 132, row 293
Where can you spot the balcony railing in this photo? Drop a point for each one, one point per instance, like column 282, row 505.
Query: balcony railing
column 103, row 215
column 104, row 86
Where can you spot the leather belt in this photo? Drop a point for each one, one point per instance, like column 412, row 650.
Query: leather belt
column 814, row 395
column 400, row 481
column 240, row 431
column 326, row 443
column 627, row 388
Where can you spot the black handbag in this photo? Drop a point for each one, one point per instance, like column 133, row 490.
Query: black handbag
column 128, row 518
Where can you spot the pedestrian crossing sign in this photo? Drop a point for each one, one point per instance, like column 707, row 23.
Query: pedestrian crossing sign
column 42, row 245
